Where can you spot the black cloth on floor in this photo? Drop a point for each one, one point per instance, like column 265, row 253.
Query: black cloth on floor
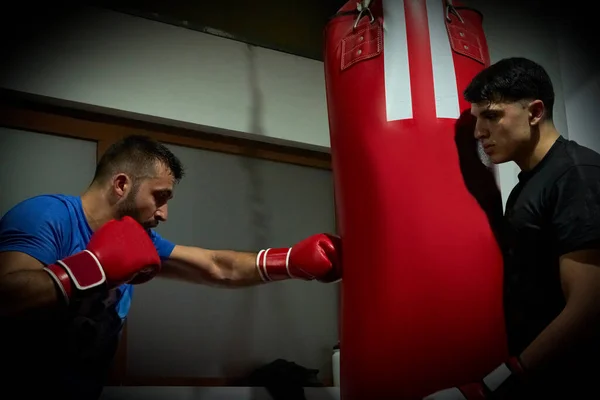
column 284, row 380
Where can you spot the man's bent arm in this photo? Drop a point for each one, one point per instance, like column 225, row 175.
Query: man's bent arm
column 578, row 323
column 566, row 337
column 213, row 267
column 25, row 288
column 575, row 198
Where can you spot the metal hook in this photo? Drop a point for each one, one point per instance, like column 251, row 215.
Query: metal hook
column 451, row 10
column 363, row 7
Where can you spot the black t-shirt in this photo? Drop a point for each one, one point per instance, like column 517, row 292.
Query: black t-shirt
column 553, row 210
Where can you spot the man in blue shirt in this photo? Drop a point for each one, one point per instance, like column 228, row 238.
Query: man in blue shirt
column 56, row 347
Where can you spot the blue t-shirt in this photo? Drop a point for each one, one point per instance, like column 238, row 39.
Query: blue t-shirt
column 52, row 227
column 72, row 354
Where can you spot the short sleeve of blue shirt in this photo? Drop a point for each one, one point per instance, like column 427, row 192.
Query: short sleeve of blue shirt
column 39, row 227
column 163, row 246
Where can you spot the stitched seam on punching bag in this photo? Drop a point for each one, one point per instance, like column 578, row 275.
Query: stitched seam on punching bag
column 365, row 56
column 361, row 44
column 455, row 41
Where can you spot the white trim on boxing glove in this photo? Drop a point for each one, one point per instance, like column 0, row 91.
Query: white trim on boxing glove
column 67, row 279
column 263, row 274
column 508, row 373
column 58, row 283
column 73, row 277
column 447, row 394
column 263, row 264
column 497, row 377
column 287, row 264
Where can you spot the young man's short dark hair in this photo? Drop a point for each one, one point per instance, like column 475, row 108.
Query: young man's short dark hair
column 512, row 80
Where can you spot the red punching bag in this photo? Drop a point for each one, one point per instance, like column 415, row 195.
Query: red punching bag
column 422, row 285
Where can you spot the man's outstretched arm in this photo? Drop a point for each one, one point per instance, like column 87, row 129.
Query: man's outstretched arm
column 317, row 257
column 212, row 267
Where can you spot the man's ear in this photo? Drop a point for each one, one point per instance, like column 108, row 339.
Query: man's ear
column 537, row 110
column 121, row 185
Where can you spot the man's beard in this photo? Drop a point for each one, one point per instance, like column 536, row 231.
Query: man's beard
column 128, row 208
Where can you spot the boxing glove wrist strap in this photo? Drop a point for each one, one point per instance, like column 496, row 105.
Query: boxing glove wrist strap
column 77, row 273
column 507, row 378
column 506, row 375
column 273, row 264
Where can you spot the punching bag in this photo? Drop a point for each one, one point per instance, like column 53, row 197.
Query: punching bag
column 422, row 281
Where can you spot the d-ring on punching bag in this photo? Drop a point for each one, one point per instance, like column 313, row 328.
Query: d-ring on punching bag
column 422, row 285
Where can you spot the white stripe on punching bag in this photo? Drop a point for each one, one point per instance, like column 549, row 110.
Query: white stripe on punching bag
column 398, row 98
column 444, row 76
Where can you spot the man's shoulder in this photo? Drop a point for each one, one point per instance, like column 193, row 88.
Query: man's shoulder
column 40, row 226
column 566, row 160
column 567, row 165
column 575, row 177
column 578, row 155
column 577, row 163
column 43, row 207
column 55, row 201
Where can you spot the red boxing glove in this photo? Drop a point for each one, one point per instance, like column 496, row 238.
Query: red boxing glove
column 117, row 253
column 317, row 257
column 497, row 384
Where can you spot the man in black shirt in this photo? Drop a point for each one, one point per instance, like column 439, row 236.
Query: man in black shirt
column 551, row 240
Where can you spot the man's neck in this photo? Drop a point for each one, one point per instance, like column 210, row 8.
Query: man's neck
column 96, row 208
column 547, row 137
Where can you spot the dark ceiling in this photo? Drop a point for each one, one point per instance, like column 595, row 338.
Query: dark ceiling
column 291, row 26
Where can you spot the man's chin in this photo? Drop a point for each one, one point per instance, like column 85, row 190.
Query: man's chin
column 150, row 225
column 501, row 161
column 498, row 158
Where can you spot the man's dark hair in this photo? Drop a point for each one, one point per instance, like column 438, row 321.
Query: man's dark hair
column 137, row 155
column 512, row 80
